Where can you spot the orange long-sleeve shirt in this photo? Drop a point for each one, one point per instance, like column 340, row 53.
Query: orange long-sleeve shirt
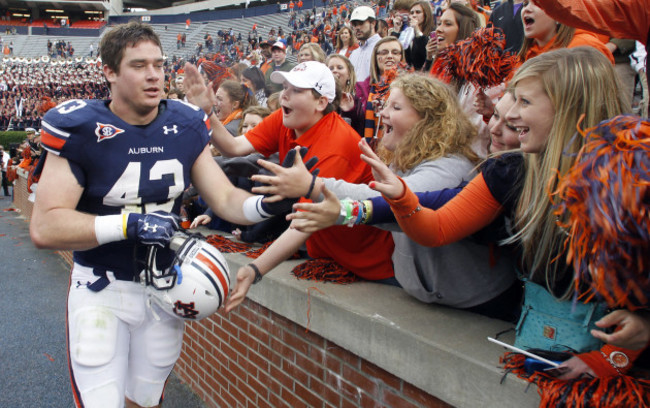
column 468, row 212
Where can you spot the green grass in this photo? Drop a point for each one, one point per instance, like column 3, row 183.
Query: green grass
column 11, row 137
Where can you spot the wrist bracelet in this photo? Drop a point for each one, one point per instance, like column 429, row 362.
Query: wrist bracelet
column 367, row 207
column 258, row 275
column 311, row 187
column 343, row 212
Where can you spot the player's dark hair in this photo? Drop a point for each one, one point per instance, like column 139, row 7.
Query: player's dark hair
column 116, row 40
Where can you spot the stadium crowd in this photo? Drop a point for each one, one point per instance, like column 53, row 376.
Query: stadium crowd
column 400, row 79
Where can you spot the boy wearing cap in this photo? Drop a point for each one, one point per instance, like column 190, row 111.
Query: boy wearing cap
column 307, row 118
column 279, row 63
column 362, row 20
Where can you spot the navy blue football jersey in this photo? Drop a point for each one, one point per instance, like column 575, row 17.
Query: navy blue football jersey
column 123, row 167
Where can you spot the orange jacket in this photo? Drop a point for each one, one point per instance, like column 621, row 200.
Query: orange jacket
column 614, row 18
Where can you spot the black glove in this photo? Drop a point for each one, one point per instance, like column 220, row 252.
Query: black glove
column 285, row 206
column 156, row 228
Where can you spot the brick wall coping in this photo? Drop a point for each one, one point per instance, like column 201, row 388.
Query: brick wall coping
column 440, row 350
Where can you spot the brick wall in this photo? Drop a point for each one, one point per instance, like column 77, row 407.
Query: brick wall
column 256, row 358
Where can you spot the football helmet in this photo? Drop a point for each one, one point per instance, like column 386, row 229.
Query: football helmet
column 197, row 282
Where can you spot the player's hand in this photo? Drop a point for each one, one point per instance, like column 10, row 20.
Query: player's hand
column 291, row 180
column 386, row 182
column 245, row 277
column 156, row 228
column 312, row 217
column 196, row 90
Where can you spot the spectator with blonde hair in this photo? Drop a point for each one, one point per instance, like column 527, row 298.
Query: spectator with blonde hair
column 311, row 52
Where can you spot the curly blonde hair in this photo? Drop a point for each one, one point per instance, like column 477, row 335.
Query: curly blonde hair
column 443, row 129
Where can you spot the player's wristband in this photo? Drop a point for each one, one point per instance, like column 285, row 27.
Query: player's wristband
column 110, row 228
column 253, row 209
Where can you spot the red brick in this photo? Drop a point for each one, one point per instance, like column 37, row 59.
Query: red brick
column 344, row 355
column 229, row 399
column 393, row 400
column 277, row 402
column 422, row 398
column 346, row 403
column 270, row 355
column 238, row 321
column 280, row 348
column 284, row 322
column 312, row 368
column 346, row 389
column 295, row 372
column 250, row 342
column 313, row 338
column 282, row 378
column 291, row 399
column 380, row 374
column 259, row 334
column 259, row 361
column 329, row 395
column 229, row 327
column 251, row 393
column 312, row 399
column 249, row 367
column 270, row 327
column 238, row 395
column 237, row 371
column 295, row 342
column 240, row 348
column 359, row 380
column 368, row 401
column 261, row 403
column 333, row 364
column 262, row 389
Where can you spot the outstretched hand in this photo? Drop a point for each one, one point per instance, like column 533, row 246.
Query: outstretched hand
column 290, row 180
column 245, row 277
column 312, row 217
column 196, row 90
column 386, row 182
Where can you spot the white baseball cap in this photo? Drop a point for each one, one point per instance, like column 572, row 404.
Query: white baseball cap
column 309, row 75
column 280, row 45
column 362, row 13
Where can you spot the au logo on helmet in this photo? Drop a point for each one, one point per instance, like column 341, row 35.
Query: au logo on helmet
column 197, row 282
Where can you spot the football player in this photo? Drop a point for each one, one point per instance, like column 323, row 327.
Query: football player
column 111, row 185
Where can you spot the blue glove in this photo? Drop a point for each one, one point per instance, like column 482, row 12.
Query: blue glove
column 156, row 228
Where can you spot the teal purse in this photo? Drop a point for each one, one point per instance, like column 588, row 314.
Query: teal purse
column 556, row 325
